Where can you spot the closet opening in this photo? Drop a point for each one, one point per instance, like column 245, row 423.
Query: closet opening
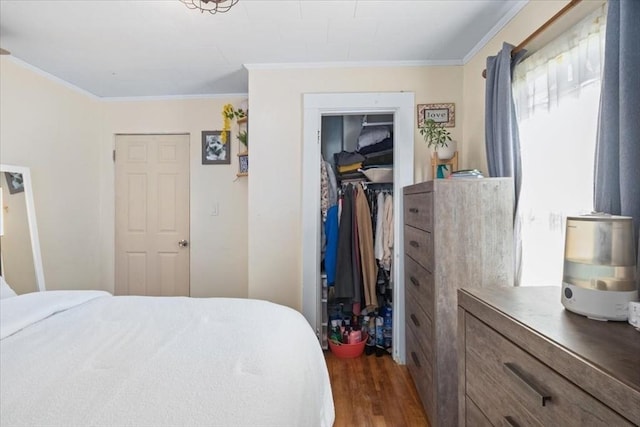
column 354, row 171
column 357, row 230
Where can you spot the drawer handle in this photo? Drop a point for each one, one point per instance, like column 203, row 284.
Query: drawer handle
column 514, row 371
column 414, row 244
column 413, row 210
column 414, row 356
column 415, row 282
column 415, row 320
column 511, row 422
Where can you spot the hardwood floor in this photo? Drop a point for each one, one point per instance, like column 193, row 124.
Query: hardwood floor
column 374, row 391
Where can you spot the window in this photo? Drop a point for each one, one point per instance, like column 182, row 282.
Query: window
column 556, row 91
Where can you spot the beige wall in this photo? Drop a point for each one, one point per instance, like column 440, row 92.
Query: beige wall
column 534, row 14
column 276, row 128
column 275, row 240
column 66, row 137
column 218, row 243
column 53, row 130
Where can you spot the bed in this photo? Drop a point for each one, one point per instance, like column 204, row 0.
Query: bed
column 87, row 358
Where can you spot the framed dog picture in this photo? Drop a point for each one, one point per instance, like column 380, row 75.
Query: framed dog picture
column 214, row 151
column 15, row 182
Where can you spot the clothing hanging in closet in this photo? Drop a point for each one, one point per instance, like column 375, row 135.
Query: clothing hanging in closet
column 387, row 232
column 369, row 266
column 344, row 265
column 360, row 245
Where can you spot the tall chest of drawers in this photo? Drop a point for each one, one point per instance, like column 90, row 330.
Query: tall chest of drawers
column 457, row 233
column 526, row 361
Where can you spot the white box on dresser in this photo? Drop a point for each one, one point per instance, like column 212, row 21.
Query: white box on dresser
column 457, row 233
column 526, row 361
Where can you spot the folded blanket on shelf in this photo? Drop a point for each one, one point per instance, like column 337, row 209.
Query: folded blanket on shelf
column 380, row 158
column 351, row 176
column 378, row 174
column 350, row 168
column 344, row 158
column 372, row 135
column 385, row 144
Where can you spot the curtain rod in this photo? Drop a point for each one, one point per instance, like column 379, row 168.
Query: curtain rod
column 541, row 29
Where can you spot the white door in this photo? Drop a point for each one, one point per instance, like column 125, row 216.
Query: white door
column 152, row 215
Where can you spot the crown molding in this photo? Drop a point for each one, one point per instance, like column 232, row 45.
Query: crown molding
column 518, row 6
column 51, row 77
column 351, row 64
column 172, row 97
column 88, row 94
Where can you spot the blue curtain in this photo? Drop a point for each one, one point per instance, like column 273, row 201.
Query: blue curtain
column 501, row 126
column 617, row 168
column 501, row 134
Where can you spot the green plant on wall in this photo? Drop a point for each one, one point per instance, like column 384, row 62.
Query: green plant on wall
column 229, row 113
column 243, row 136
column 435, row 134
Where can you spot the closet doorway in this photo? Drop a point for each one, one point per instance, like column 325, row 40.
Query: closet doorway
column 400, row 106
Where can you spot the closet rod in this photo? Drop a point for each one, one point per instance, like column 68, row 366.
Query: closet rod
column 541, row 29
column 365, row 124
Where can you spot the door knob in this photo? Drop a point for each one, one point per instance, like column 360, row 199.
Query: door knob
column 183, row 243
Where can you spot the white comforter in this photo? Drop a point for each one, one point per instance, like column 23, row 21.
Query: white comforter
column 74, row 358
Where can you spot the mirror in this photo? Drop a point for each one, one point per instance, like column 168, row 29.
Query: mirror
column 20, row 257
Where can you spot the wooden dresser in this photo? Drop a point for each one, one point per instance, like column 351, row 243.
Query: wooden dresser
column 526, row 361
column 457, row 233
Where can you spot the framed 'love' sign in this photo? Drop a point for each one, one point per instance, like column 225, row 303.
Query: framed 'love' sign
column 439, row 113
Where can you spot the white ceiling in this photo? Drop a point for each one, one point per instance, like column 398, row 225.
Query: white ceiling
column 114, row 48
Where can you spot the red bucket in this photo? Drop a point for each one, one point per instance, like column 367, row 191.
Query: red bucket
column 348, row 351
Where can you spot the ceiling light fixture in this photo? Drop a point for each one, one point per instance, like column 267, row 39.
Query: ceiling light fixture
column 211, row 6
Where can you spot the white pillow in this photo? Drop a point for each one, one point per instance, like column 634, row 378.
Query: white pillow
column 5, row 289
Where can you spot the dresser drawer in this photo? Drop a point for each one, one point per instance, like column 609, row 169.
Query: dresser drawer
column 474, row 416
column 418, row 210
column 420, row 325
column 418, row 281
column 507, row 383
column 419, row 246
column 421, row 372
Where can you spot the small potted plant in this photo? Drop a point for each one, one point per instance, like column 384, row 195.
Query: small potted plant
column 243, row 137
column 437, row 137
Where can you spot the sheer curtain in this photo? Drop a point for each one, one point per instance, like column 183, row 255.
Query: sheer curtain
column 556, row 91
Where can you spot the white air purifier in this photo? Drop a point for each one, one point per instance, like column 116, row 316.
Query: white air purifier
column 599, row 276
